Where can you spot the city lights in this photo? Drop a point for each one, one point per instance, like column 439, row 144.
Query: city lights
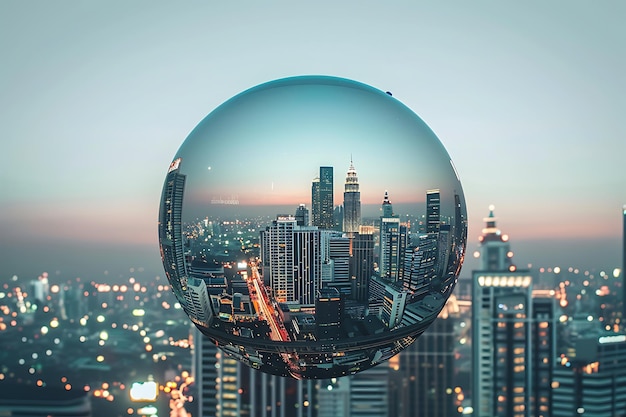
column 337, row 286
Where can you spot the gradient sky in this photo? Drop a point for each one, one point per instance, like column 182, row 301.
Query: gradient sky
column 96, row 97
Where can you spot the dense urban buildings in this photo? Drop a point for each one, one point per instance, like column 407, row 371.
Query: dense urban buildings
column 371, row 288
column 97, row 341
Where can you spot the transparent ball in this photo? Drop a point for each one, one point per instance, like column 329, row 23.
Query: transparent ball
column 312, row 226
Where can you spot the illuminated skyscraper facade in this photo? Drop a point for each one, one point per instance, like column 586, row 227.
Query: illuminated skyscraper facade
column 393, row 242
column 170, row 229
column 351, row 202
column 591, row 381
column 433, row 210
column 426, row 369
column 322, row 202
column 511, row 331
column 361, row 265
column 293, row 256
column 228, row 388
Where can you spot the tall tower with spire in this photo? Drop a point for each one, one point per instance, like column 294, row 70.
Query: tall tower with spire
column 392, row 242
column 495, row 253
column 351, row 202
column 513, row 346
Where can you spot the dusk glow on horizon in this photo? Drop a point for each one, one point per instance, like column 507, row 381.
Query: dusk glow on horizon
column 530, row 111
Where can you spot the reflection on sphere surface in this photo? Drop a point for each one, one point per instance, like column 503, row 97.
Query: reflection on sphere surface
column 312, row 226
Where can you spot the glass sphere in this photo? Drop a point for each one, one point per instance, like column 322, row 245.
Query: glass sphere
column 312, row 226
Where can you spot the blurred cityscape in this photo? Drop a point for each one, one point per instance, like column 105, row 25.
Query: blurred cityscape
column 544, row 341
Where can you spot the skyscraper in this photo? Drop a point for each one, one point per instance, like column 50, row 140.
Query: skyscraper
column 339, row 253
column 205, row 373
column 509, row 328
column 227, row 387
column 420, row 265
column 293, row 256
column 361, row 265
column 589, row 381
column 322, row 203
column 351, row 202
column 426, row 369
column 624, row 266
column 170, row 230
column 393, row 240
column 328, row 313
column 433, row 209
column 277, row 255
column 302, row 215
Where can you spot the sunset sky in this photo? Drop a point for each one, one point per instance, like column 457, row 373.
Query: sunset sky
column 96, row 98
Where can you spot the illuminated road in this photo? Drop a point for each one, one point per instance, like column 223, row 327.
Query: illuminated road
column 278, row 332
column 277, row 328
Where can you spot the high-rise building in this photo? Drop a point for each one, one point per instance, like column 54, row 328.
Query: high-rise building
column 170, row 229
column 277, row 251
column 199, row 306
column 495, row 253
column 310, row 250
column 351, row 202
column 322, row 202
column 420, row 265
column 228, row 383
column 328, row 313
column 205, row 374
column 226, row 387
column 510, row 331
column 369, row 392
column 294, row 257
column 433, row 211
column 589, row 381
column 624, row 266
column 361, row 265
column 339, row 253
column 426, row 369
column 393, row 242
column 302, row 215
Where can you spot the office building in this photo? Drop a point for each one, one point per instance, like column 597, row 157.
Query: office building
column 624, row 266
column 351, row 202
column 433, row 211
column 328, row 313
column 339, row 254
column 510, row 331
column 302, row 215
column 361, row 265
column 393, row 242
column 293, row 258
column 369, row 392
column 170, row 230
column 322, row 203
column 420, row 265
column 205, row 359
column 227, row 387
column 199, row 306
column 591, row 379
column 426, row 369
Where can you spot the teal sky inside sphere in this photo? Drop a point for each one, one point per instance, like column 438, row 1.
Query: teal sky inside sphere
column 265, row 146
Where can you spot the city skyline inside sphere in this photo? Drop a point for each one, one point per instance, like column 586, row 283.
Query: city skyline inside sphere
column 312, row 226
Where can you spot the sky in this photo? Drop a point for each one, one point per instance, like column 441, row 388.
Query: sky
column 96, row 98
